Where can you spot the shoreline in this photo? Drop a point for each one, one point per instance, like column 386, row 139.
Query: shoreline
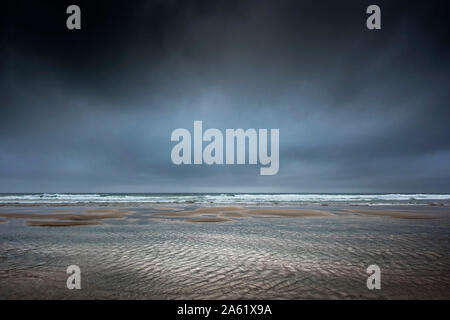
column 215, row 204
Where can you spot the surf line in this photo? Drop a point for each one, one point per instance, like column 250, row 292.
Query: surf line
column 213, row 153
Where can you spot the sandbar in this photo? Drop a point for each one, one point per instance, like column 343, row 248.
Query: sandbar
column 240, row 212
column 43, row 223
column 209, row 219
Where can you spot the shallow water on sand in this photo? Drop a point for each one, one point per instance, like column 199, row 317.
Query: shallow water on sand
column 147, row 257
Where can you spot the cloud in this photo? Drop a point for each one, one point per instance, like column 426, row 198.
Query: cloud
column 93, row 110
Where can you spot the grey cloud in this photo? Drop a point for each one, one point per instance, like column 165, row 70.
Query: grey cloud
column 94, row 110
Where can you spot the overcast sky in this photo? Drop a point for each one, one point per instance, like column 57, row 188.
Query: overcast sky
column 93, row 110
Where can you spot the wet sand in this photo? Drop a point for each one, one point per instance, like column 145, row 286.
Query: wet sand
column 242, row 212
column 43, row 223
column 207, row 219
column 67, row 218
column 288, row 213
column 199, row 211
column 226, row 252
column 54, row 216
column 392, row 214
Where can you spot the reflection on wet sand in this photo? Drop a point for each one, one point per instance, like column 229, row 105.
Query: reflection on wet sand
column 392, row 214
column 243, row 212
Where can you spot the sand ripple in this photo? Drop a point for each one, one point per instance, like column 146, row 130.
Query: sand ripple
column 247, row 259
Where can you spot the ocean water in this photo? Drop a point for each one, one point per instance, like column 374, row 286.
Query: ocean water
column 147, row 257
column 223, row 198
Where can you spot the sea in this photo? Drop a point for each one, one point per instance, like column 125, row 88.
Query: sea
column 227, row 198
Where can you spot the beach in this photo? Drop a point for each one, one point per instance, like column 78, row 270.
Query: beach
column 217, row 251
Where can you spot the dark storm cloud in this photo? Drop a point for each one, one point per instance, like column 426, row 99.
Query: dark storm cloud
column 93, row 110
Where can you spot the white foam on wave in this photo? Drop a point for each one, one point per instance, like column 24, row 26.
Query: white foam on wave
column 226, row 198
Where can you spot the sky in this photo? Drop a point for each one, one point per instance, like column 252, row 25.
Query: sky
column 92, row 110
